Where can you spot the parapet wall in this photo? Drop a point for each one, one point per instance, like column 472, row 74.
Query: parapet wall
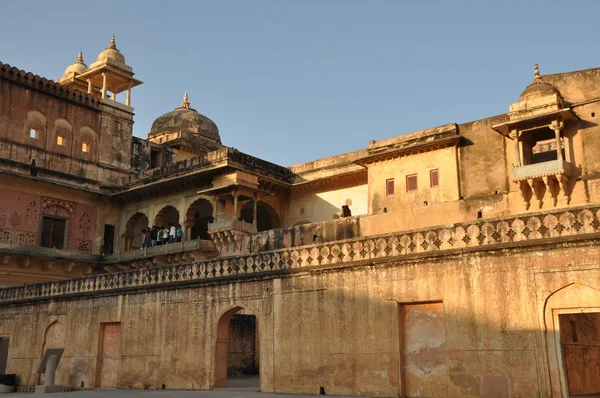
column 533, row 228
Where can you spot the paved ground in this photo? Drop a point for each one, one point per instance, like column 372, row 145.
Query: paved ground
column 238, row 388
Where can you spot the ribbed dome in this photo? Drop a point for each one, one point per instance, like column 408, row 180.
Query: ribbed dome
column 186, row 120
column 537, row 88
column 111, row 53
column 78, row 67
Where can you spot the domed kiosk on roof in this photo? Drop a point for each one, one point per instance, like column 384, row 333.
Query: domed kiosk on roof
column 75, row 69
column 184, row 127
column 538, row 89
column 111, row 55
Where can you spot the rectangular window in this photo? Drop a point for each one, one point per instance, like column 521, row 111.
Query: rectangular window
column 53, row 232
column 411, row 183
column 33, row 133
column 60, row 140
column 434, row 178
column 85, row 147
column 389, row 187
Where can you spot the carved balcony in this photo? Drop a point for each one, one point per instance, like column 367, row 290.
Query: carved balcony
column 535, row 180
column 228, row 235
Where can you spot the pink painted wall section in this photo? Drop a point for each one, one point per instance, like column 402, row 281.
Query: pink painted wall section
column 21, row 214
column 19, row 217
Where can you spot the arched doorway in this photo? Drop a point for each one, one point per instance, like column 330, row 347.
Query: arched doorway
column 199, row 214
column 167, row 215
column 54, row 337
column 266, row 217
column 132, row 239
column 237, row 359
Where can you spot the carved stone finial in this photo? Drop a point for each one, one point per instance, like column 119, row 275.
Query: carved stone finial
column 80, row 58
column 185, row 104
column 113, row 44
column 536, row 72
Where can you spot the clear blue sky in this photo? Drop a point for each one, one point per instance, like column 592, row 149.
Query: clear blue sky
column 293, row 81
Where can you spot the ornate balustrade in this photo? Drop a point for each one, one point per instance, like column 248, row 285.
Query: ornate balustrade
column 531, row 228
column 171, row 248
column 539, row 170
column 38, row 251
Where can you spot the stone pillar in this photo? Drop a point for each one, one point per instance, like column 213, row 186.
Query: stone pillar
column 215, row 202
column 128, row 97
column 557, row 127
column 235, row 204
column 103, row 85
column 114, row 96
column 255, row 209
column 90, row 87
column 50, row 371
column 515, row 136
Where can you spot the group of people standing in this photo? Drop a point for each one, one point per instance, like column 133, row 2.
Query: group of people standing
column 157, row 236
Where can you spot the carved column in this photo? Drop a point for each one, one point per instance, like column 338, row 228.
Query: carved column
column 255, row 209
column 515, row 136
column 214, row 203
column 103, row 85
column 557, row 127
column 235, row 195
column 89, row 82
column 128, row 97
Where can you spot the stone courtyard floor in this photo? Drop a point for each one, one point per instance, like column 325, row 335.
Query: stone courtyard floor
column 238, row 388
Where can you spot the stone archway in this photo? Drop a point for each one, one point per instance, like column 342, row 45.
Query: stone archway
column 267, row 218
column 167, row 215
column 54, row 337
column 132, row 238
column 237, row 359
column 198, row 215
column 573, row 299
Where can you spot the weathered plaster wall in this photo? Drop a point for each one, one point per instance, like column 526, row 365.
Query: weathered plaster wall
column 106, row 128
column 483, row 167
column 421, row 164
column 326, row 204
column 86, row 212
column 308, row 325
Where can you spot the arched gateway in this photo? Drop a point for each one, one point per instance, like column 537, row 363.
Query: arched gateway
column 237, row 359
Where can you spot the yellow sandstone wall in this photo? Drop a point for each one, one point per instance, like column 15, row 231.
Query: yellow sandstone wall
column 338, row 329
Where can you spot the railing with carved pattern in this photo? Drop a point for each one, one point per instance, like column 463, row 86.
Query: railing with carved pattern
column 580, row 221
column 39, row 251
column 171, row 248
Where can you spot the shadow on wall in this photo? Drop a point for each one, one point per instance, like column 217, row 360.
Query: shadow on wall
column 409, row 344
column 305, row 234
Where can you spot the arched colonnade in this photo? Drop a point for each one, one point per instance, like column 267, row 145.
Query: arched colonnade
column 194, row 220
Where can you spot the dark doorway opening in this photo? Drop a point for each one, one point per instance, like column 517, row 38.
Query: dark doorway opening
column 3, row 354
column 109, row 239
column 580, row 343
column 237, row 353
column 53, row 232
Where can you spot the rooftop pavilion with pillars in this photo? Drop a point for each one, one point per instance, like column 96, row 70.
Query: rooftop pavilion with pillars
column 541, row 127
column 109, row 73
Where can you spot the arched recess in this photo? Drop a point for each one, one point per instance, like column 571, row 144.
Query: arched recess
column 36, row 121
column 64, row 130
column 132, row 238
column 237, row 350
column 167, row 215
column 54, row 337
column 574, row 298
column 87, row 135
column 267, row 217
column 198, row 215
